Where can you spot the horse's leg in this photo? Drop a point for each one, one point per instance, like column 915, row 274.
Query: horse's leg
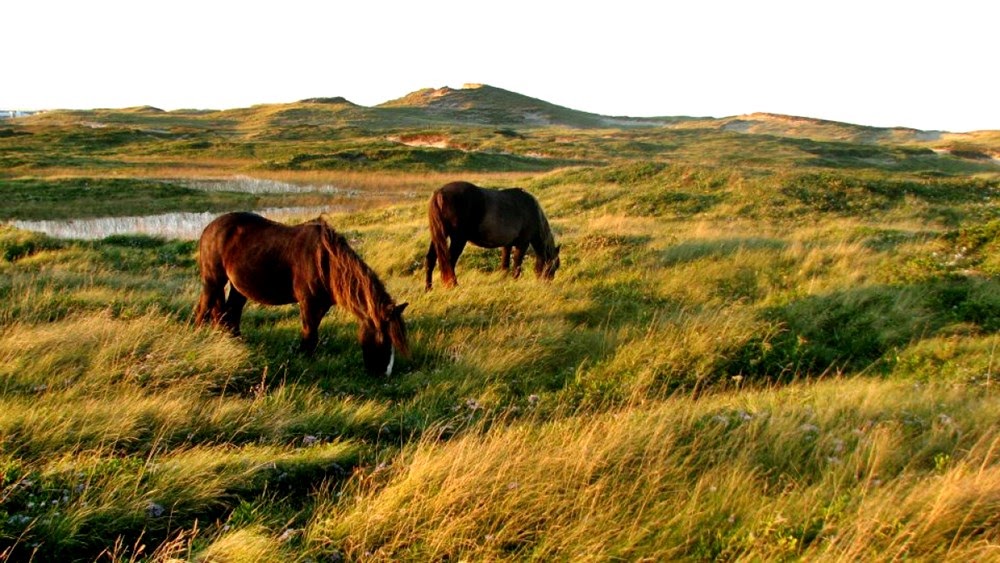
column 232, row 315
column 448, row 277
column 518, row 259
column 311, row 311
column 206, row 304
column 505, row 259
column 213, row 297
column 442, row 252
column 429, row 265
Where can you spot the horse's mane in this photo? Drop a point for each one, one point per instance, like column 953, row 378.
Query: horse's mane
column 545, row 232
column 353, row 284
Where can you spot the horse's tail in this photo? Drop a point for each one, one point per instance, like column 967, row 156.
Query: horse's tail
column 435, row 216
column 438, row 250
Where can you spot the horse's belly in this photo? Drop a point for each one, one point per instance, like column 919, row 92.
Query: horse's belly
column 496, row 237
column 264, row 288
column 270, row 297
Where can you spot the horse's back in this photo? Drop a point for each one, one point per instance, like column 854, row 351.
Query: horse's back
column 470, row 203
column 228, row 225
column 257, row 255
column 460, row 196
column 472, row 196
column 247, row 220
column 459, row 207
column 487, row 217
column 225, row 232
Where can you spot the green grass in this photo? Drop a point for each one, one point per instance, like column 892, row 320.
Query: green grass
column 759, row 347
column 71, row 198
column 838, row 469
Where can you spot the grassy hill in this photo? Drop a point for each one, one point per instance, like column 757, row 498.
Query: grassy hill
column 479, row 104
column 772, row 338
column 472, row 129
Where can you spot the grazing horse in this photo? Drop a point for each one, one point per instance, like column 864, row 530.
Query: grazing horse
column 309, row 264
column 510, row 219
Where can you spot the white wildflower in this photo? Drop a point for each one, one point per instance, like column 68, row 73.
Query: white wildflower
column 19, row 519
column 838, row 445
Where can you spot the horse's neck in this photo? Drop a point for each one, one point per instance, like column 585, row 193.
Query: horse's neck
column 355, row 286
column 545, row 234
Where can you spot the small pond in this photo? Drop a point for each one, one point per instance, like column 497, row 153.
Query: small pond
column 188, row 225
column 181, row 225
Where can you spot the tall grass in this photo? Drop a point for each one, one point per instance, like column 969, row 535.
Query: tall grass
column 756, row 349
column 835, row 470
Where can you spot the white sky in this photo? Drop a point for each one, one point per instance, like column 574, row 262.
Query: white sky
column 922, row 64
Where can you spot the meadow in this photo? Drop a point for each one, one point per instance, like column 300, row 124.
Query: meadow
column 759, row 347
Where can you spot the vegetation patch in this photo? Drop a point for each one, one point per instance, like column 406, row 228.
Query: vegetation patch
column 764, row 343
column 42, row 198
column 16, row 244
column 414, row 158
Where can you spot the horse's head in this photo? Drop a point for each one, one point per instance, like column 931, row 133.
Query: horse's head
column 549, row 265
column 380, row 340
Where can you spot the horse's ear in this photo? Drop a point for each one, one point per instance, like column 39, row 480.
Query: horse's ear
column 398, row 309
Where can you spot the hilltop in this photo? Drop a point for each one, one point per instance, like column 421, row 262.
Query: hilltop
column 484, row 104
column 812, row 128
column 473, row 128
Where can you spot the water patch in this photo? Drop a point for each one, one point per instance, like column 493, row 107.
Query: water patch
column 180, row 225
column 249, row 185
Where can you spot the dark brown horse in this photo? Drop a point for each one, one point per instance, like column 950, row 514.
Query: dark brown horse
column 309, row 264
column 510, row 219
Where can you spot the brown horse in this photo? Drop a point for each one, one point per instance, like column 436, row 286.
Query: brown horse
column 309, row 264
column 510, row 219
